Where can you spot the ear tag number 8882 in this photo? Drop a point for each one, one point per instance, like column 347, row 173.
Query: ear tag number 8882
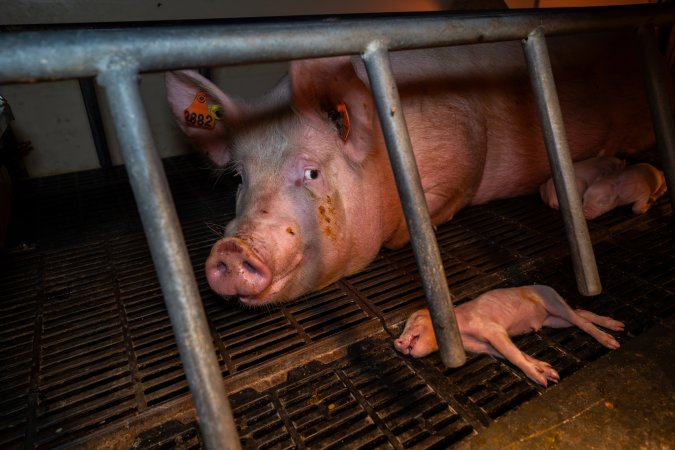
column 198, row 114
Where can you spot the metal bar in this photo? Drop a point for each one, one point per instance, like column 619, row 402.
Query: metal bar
column 30, row 56
column 654, row 70
column 88, row 91
column 170, row 256
column 422, row 238
column 543, row 84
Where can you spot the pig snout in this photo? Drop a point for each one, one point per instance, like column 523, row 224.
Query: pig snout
column 233, row 268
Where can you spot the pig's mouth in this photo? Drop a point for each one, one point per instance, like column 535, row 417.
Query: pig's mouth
column 281, row 288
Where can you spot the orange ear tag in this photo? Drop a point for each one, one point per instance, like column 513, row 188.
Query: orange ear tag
column 198, row 114
column 343, row 124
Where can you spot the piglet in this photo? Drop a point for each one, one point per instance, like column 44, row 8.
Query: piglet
column 639, row 185
column 585, row 173
column 486, row 323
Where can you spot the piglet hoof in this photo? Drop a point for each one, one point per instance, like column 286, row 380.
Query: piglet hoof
column 418, row 338
column 609, row 342
column 614, row 325
column 540, row 372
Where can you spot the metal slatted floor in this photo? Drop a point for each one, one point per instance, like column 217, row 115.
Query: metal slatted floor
column 88, row 356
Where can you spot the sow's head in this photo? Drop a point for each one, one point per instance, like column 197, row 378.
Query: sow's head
column 304, row 153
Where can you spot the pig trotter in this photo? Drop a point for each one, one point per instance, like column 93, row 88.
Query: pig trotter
column 539, row 371
column 418, row 338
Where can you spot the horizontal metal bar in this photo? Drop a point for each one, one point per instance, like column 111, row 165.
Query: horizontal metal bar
column 660, row 105
column 422, row 237
column 170, row 257
column 32, row 56
column 550, row 116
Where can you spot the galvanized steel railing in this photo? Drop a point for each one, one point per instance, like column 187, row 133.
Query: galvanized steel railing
column 117, row 56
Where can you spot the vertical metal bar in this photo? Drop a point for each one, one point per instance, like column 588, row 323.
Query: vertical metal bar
column 541, row 76
column 415, row 208
column 95, row 122
column 170, row 257
column 655, row 71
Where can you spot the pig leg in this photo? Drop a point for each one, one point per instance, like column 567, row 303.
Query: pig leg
column 559, row 309
column 539, row 371
column 418, row 338
column 603, row 321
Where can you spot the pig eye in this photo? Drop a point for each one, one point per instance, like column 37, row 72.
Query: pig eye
column 311, row 174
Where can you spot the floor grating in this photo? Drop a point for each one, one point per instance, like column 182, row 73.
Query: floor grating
column 86, row 346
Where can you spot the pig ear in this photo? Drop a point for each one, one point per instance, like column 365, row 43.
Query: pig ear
column 203, row 112
column 329, row 88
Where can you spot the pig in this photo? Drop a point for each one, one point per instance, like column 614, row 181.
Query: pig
column 486, row 323
column 640, row 185
column 317, row 199
column 585, row 172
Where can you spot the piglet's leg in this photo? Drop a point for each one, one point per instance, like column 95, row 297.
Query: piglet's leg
column 539, row 371
column 603, row 321
column 418, row 338
column 559, row 309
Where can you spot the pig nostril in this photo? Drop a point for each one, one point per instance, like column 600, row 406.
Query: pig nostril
column 223, row 269
column 249, row 267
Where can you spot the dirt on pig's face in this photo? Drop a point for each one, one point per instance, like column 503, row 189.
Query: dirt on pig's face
column 290, row 215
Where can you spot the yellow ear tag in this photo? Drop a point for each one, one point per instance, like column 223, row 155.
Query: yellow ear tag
column 343, row 123
column 217, row 112
column 197, row 114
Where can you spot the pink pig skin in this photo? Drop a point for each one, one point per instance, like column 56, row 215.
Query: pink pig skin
column 486, row 323
column 313, row 208
column 585, row 172
column 640, row 185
